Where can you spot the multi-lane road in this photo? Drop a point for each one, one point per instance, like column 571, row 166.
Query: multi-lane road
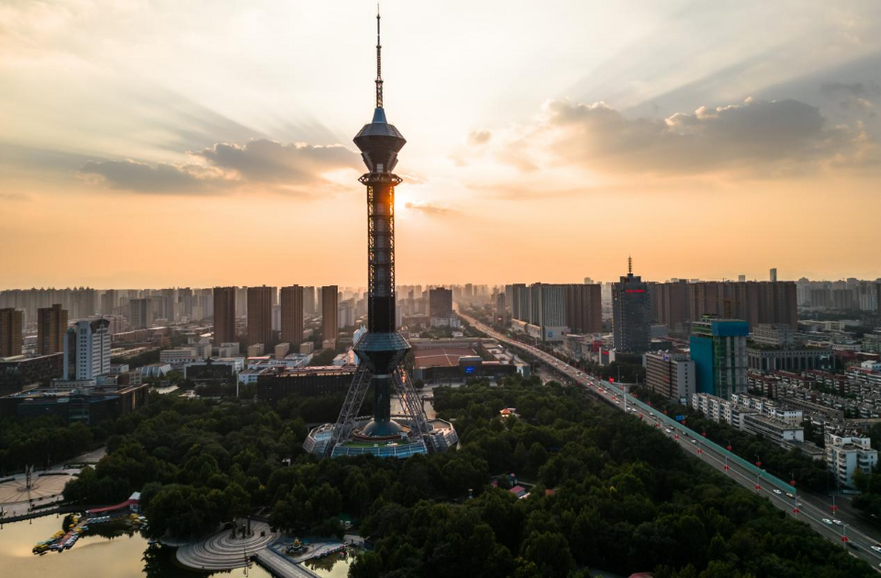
column 807, row 509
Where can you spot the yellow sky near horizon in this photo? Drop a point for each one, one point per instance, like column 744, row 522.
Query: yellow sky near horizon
column 158, row 144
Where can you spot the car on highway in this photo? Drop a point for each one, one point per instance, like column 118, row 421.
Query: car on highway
column 827, row 521
column 694, row 441
column 669, row 431
column 778, row 492
column 876, row 548
column 789, row 495
column 836, row 522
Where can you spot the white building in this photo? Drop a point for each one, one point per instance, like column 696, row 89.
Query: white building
column 746, row 414
column 844, row 455
column 670, row 374
column 775, row 335
column 87, row 350
column 229, row 350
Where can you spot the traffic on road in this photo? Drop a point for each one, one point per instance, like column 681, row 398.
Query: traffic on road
column 780, row 493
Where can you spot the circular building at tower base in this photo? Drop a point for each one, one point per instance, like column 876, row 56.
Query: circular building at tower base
column 441, row 437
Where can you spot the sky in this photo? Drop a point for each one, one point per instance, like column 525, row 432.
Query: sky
column 198, row 143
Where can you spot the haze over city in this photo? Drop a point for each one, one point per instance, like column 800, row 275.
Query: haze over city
column 196, row 146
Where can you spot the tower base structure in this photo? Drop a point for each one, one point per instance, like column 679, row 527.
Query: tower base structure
column 398, row 435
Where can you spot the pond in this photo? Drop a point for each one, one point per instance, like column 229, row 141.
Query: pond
column 121, row 556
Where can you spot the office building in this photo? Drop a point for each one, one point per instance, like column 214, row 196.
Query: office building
column 671, row 375
column 260, row 315
column 440, row 302
column 330, row 312
column 11, row 325
column 718, row 349
column 292, row 315
column 17, row 373
column 631, row 313
column 224, row 315
column 51, row 329
column 440, row 308
column 87, row 350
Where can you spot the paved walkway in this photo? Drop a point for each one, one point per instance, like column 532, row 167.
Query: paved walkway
column 223, row 552
column 282, row 566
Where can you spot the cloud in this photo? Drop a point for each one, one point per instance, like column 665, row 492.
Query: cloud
column 162, row 178
column 753, row 137
column 270, row 161
column 429, row 208
column 14, row 197
column 857, row 89
column 223, row 167
column 479, row 137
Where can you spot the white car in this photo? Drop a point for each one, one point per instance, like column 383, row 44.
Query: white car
column 669, row 431
column 778, row 492
column 694, row 441
column 827, row 521
column 876, row 548
column 789, row 495
column 836, row 522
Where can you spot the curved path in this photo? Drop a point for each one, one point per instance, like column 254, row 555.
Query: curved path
column 223, row 552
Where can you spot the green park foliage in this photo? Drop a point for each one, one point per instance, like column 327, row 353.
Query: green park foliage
column 625, row 498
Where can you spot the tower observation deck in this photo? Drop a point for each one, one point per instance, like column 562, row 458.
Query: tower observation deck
column 382, row 349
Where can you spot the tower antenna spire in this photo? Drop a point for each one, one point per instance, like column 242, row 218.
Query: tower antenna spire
column 629, row 265
column 378, row 62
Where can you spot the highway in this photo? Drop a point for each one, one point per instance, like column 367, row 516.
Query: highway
column 780, row 493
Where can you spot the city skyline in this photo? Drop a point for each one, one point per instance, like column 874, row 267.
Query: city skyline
column 587, row 133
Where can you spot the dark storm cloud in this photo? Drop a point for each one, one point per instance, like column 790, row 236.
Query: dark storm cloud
column 752, row 137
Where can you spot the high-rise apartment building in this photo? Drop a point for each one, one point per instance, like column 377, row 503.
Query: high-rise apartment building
column 718, row 349
column 224, row 315
column 292, row 315
column 678, row 303
column 87, row 350
column 309, row 301
column 773, row 275
column 51, row 329
column 11, row 324
column 330, row 311
column 108, row 302
column 631, row 313
column 140, row 313
column 260, row 315
column 584, row 308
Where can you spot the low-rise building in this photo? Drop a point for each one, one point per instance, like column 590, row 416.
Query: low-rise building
column 846, row 455
column 275, row 384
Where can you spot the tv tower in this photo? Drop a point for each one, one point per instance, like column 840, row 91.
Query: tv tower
column 382, row 349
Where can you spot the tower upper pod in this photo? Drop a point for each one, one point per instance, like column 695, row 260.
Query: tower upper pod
column 379, row 141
